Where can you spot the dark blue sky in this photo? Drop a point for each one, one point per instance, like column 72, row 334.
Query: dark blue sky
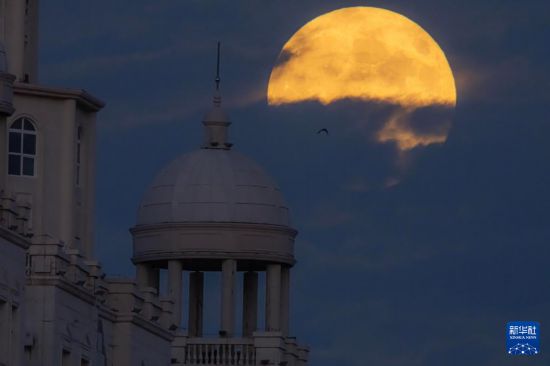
column 425, row 272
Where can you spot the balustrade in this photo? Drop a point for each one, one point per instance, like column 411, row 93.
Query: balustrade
column 209, row 352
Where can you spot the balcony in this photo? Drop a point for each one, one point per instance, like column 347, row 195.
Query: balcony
column 219, row 351
column 263, row 348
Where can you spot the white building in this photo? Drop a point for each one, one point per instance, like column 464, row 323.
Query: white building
column 209, row 210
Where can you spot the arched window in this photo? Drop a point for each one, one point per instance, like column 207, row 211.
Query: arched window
column 22, row 147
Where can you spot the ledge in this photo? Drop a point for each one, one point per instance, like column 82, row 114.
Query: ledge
column 14, row 238
column 218, row 225
column 144, row 324
column 207, row 243
column 82, row 97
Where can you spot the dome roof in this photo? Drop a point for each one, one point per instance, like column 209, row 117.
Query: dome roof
column 213, row 185
column 213, row 204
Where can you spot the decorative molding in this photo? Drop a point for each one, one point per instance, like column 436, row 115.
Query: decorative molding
column 14, row 238
column 237, row 226
column 82, row 97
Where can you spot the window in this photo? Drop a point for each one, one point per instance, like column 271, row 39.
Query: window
column 22, row 147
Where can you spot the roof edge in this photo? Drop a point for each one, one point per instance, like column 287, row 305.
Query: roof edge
column 81, row 96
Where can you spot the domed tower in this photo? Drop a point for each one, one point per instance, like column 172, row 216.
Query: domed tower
column 214, row 209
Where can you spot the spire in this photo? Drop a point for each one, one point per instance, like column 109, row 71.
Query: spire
column 216, row 121
column 217, row 97
column 218, row 70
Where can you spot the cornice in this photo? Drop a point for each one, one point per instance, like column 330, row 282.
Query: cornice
column 81, row 96
column 235, row 226
column 14, row 238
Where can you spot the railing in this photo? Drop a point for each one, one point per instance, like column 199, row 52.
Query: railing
column 223, row 352
column 14, row 215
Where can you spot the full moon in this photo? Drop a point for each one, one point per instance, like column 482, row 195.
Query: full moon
column 362, row 53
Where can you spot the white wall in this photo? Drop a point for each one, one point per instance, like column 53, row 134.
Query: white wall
column 60, row 209
column 19, row 24
column 12, row 281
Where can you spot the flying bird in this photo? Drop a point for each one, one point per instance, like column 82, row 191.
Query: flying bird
column 323, row 130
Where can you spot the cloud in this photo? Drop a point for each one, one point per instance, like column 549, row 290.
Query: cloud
column 156, row 112
column 326, row 216
column 516, row 79
column 247, row 96
column 360, row 255
column 356, row 184
column 409, row 128
column 107, row 63
column 392, row 182
column 405, row 128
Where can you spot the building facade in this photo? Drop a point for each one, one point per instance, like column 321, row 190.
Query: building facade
column 211, row 210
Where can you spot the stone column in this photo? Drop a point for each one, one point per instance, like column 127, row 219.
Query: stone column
column 229, row 268
column 175, row 288
column 141, row 275
column 196, row 285
column 250, row 303
column 3, row 137
column 285, row 300
column 273, row 298
column 154, row 278
column 147, row 276
column 5, row 336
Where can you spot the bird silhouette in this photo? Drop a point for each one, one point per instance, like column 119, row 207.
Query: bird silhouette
column 323, row 130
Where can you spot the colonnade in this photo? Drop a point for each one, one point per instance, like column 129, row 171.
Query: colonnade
column 277, row 296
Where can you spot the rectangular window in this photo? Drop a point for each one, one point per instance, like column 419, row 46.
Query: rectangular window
column 29, row 144
column 15, row 142
column 14, row 164
column 28, row 166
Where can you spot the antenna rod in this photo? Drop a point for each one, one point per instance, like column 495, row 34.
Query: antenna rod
column 218, row 69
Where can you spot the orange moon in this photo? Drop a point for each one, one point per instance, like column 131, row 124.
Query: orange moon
column 362, row 53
